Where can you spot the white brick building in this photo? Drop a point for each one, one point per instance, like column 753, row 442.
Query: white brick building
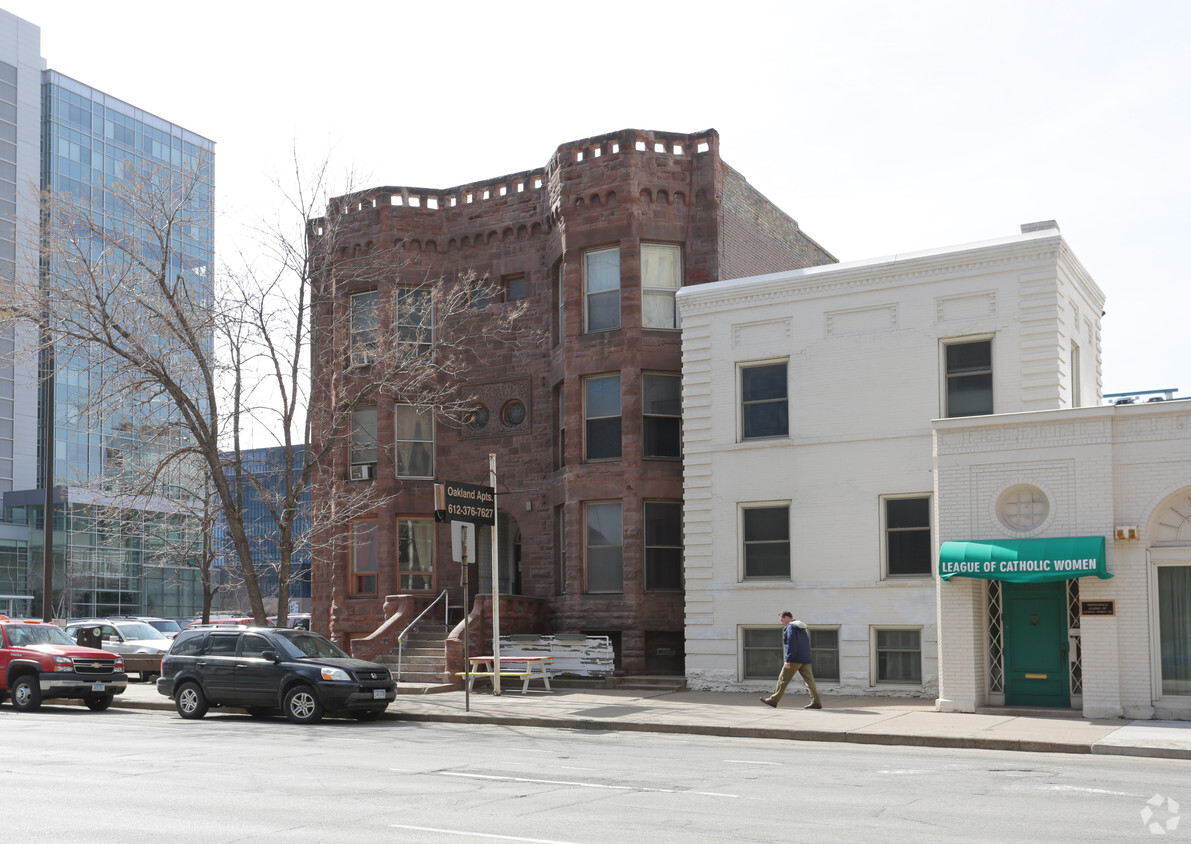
column 1118, row 647
column 809, row 485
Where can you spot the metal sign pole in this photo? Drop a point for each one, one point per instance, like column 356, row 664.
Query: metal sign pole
column 495, row 577
column 466, row 633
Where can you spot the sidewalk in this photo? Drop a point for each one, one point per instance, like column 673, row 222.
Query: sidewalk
column 865, row 720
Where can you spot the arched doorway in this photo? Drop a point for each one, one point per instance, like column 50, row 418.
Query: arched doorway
column 509, row 559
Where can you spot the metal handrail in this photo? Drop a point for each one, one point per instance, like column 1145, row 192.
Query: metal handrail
column 401, row 636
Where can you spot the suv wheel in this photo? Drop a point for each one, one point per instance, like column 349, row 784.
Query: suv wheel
column 26, row 694
column 190, row 701
column 302, row 705
column 98, row 703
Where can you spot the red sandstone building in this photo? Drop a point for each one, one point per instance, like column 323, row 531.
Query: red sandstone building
column 585, row 426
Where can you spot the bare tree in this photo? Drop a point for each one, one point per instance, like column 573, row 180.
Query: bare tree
column 204, row 367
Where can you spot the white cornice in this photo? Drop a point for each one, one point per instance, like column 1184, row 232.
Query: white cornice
column 1046, row 246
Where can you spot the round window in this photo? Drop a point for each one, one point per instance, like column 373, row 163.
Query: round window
column 1023, row 508
column 479, row 418
column 513, row 414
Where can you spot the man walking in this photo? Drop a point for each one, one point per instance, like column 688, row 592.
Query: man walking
column 797, row 645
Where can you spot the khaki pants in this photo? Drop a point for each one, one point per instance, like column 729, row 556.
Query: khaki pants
column 789, row 669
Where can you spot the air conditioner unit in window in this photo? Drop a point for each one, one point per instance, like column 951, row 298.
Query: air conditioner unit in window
column 364, row 358
column 362, row 472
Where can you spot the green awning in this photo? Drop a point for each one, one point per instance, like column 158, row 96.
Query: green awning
column 1025, row 560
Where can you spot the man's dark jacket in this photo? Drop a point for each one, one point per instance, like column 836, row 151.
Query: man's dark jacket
column 797, row 643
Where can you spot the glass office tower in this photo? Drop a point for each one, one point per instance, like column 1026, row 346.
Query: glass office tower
column 109, row 557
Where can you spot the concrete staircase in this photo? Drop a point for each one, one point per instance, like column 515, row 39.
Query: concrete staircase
column 423, row 658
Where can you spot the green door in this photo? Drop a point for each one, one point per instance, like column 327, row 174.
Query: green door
column 1036, row 670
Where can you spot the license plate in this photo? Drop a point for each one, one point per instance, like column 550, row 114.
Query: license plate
column 378, row 694
column 97, row 687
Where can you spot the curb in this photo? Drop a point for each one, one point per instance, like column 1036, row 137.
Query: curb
column 787, row 734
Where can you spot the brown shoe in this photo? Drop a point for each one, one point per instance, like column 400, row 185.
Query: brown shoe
column 768, row 702
column 813, row 706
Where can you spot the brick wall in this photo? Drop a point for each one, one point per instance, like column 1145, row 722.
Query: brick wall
column 621, row 189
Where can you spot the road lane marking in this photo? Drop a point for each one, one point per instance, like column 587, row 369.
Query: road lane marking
column 479, row 834
column 585, row 784
column 750, row 762
column 1089, row 790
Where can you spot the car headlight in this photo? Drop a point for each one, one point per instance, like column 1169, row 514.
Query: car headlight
column 63, row 663
column 335, row 674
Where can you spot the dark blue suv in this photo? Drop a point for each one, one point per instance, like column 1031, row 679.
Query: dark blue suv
column 267, row 669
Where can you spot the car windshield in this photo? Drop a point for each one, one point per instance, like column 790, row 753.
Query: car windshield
column 24, row 635
column 165, row 626
column 304, row 645
column 139, row 630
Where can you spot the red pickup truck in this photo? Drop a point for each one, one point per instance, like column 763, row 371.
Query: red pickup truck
column 39, row 662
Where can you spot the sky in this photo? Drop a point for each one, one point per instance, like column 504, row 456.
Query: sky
column 881, row 127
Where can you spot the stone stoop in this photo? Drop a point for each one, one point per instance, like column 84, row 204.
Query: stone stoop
column 423, row 660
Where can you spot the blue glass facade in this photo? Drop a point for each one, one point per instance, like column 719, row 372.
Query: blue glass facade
column 268, row 466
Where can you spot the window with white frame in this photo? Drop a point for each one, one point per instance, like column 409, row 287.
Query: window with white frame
column 661, row 410
column 601, row 411
column 364, row 446
column 363, row 328
column 898, row 653
column 766, row 532
column 601, row 289
column 825, row 653
column 415, row 441
column 415, row 320
column 906, row 525
column 1174, row 628
column 764, row 401
column 604, row 546
column 762, row 656
column 415, row 554
column 969, row 378
column 661, row 276
column 364, row 558
column 663, row 546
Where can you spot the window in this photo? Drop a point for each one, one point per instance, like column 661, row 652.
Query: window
column 415, row 321
column 223, row 644
column 560, row 426
column 560, row 306
column 825, row 653
column 762, row 652
column 907, row 535
column 478, row 292
column 364, row 436
column 764, row 408
column 766, row 541
column 663, row 546
column 560, row 537
column 415, row 554
column 661, row 406
column 1174, row 628
column 661, row 276
column 253, row 645
column 415, row 441
column 601, row 407
column 514, row 286
column 363, row 328
column 899, row 656
column 364, row 558
column 604, row 546
column 969, row 378
column 601, row 288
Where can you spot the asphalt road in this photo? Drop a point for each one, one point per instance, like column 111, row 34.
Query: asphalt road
column 67, row 774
